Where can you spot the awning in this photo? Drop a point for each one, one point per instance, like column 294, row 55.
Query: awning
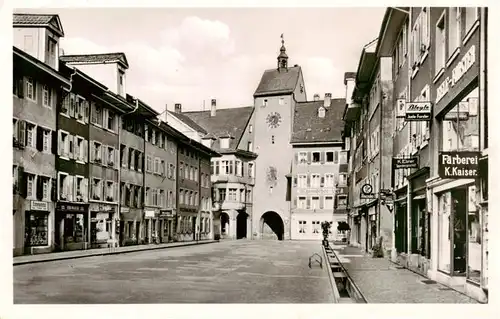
column 397, row 200
column 419, row 197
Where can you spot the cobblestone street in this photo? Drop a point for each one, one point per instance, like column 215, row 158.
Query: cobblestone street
column 227, row 272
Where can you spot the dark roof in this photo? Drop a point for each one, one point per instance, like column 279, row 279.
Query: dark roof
column 349, row 75
column 231, row 121
column 308, row 127
column 26, row 62
column 278, row 82
column 34, row 20
column 96, row 58
column 188, row 121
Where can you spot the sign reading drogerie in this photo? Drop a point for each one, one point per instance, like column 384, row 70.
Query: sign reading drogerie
column 456, row 165
column 418, row 111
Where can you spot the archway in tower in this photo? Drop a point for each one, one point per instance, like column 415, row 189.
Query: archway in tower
column 241, row 225
column 272, row 226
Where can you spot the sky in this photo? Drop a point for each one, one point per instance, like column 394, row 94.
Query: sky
column 187, row 56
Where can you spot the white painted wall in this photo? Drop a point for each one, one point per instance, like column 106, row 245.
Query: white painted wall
column 106, row 74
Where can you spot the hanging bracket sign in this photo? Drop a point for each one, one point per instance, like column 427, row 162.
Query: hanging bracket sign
column 402, row 162
column 418, row 111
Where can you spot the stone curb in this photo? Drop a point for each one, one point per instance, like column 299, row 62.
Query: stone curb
column 116, row 252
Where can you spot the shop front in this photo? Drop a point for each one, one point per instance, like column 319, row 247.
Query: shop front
column 187, row 219
column 130, row 226
column 400, row 226
column 482, row 199
column 420, row 221
column 150, row 225
column 103, row 225
column 39, row 221
column 71, row 226
column 166, row 220
column 372, row 225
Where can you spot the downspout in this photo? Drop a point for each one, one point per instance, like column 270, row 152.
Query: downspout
column 408, row 99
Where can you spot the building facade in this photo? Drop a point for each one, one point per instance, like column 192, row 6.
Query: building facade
column 439, row 207
column 37, row 88
column 230, row 133
column 317, row 145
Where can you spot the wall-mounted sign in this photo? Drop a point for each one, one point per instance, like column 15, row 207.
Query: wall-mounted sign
column 456, row 165
column 459, row 112
column 149, row 213
column 124, row 209
column 418, row 111
column 165, row 213
column 75, row 208
column 458, row 72
column 400, row 108
column 37, row 205
column 408, row 162
column 367, row 196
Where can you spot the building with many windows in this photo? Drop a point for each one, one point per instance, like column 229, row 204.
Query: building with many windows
column 37, row 88
column 438, row 64
column 104, row 116
column 317, row 146
column 229, row 132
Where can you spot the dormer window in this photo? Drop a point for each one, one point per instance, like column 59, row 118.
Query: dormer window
column 50, row 58
column 207, row 142
column 121, row 81
column 321, row 112
column 224, row 142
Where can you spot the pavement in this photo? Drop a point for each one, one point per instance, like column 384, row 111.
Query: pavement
column 382, row 281
column 29, row 259
column 241, row 271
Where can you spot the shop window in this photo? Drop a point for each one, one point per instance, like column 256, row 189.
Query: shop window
column 37, row 228
column 461, row 125
column 474, row 249
column 75, row 228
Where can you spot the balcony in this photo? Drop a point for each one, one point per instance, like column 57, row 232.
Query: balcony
column 232, row 204
column 232, row 179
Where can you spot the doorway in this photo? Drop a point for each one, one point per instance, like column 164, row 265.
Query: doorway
column 241, row 225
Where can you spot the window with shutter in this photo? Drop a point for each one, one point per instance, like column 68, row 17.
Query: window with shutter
column 295, row 181
column 322, row 157
column 39, row 187
column 295, row 203
column 321, row 204
column 336, row 157
column 308, row 203
column 322, row 182
column 39, row 138
column 308, row 181
column 308, row 157
column 21, row 134
column 53, row 190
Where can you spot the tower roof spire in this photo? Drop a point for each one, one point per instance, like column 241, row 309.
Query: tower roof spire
column 282, row 57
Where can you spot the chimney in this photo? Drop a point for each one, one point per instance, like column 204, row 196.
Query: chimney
column 328, row 99
column 213, row 108
column 166, row 112
column 178, row 108
column 316, row 97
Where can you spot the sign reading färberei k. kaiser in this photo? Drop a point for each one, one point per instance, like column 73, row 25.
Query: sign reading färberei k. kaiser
column 458, row 164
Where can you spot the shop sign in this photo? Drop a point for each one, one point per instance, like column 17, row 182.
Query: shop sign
column 149, row 213
column 400, row 108
column 459, row 112
column 105, row 208
column 418, row 111
column 405, row 162
column 124, row 210
column 367, row 192
column 37, row 205
column 166, row 213
column 458, row 72
column 71, row 208
column 456, row 165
